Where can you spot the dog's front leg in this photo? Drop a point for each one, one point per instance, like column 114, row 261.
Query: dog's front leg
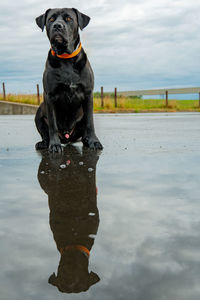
column 89, row 137
column 54, row 141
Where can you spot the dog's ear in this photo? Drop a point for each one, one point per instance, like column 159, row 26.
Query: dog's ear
column 53, row 279
column 93, row 278
column 83, row 20
column 41, row 20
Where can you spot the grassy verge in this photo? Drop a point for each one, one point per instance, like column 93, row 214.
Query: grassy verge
column 144, row 105
column 124, row 104
column 22, row 98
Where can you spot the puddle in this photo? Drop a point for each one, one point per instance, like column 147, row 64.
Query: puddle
column 118, row 224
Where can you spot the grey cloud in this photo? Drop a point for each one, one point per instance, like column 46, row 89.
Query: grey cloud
column 140, row 44
column 162, row 268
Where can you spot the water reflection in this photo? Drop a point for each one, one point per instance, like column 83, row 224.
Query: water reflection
column 70, row 182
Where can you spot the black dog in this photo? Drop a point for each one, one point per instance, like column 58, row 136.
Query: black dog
column 67, row 111
column 74, row 215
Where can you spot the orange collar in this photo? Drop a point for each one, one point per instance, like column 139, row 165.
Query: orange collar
column 66, row 55
column 75, row 247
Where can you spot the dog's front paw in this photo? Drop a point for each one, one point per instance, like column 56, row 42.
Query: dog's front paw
column 55, row 148
column 92, row 143
column 41, row 145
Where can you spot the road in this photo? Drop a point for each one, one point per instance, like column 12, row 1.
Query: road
column 141, row 228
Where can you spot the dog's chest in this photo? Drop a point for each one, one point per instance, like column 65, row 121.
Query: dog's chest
column 69, row 77
column 65, row 80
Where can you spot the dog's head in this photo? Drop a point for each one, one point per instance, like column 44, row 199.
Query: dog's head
column 62, row 26
column 73, row 275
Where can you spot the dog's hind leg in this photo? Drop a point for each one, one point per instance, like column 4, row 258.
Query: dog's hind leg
column 43, row 130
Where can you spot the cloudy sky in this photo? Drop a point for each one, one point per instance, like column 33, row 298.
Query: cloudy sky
column 131, row 44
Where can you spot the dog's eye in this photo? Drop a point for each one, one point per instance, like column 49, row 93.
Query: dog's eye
column 68, row 19
column 51, row 19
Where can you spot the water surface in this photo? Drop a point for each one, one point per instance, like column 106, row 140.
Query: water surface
column 135, row 207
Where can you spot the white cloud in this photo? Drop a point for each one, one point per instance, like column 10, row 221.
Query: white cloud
column 131, row 44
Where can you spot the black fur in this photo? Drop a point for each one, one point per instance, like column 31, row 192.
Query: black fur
column 68, row 84
column 74, row 215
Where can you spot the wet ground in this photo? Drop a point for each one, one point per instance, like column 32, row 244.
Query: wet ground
column 121, row 224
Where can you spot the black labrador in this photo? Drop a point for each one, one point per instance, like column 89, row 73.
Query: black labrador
column 66, row 114
column 74, row 215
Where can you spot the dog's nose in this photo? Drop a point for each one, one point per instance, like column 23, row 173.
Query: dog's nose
column 58, row 26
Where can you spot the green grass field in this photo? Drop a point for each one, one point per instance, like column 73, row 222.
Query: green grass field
column 124, row 104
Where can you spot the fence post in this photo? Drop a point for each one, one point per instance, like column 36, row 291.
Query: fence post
column 166, row 98
column 199, row 99
column 115, row 97
column 38, row 94
column 102, row 102
column 4, row 91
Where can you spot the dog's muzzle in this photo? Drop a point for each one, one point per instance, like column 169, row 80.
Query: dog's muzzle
column 58, row 26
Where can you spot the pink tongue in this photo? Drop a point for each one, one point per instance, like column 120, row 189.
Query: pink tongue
column 67, row 135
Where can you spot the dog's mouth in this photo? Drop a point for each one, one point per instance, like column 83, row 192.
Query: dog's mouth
column 58, row 39
column 60, row 44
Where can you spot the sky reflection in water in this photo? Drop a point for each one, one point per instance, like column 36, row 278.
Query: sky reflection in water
column 146, row 245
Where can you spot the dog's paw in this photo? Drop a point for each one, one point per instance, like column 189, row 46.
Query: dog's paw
column 92, row 143
column 55, row 148
column 41, row 145
column 97, row 145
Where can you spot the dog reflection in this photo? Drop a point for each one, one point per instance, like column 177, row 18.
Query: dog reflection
column 70, row 182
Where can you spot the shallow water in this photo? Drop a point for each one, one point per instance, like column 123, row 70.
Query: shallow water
column 135, row 207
